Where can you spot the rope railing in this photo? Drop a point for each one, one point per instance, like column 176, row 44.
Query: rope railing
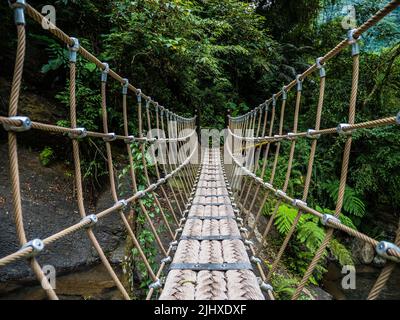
column 246, row 134
column 180, row 171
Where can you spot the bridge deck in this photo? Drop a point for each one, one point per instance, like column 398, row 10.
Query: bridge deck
column 198, row 248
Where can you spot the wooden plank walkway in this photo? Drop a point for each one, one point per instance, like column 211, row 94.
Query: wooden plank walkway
column 199, row 250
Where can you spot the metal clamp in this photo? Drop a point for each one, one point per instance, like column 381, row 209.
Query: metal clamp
column 383, row 247
column 268, row 185
column 280, row 193
column 291, row 136
column 110, row 137
column 166, row 260
column 81, row 133
column 105, row 72
column 73, row 49
column 398, row 118
column 140, row 194
column 25, row 125
column 92, row 220
column 155, row 285
column 248, row 242
column 37, row 246
column 265, row 286
column 299, row 83
column 341, row 128
column 179, row 230
column 274, row 100
column 327, row 218
column 243, row 229
column 355, row 48
column 125, row 86
column 255, row 260
column 320, row 67
column 129, row 139
column 311, row 134
column 298, row 203
column 139, row 95
column 238, row 219
column 19, row 11
column 284, row 93
column 123, row 202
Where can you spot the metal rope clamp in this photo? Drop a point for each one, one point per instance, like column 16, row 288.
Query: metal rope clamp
column 26, row 124
column 311, row 134
column 19, row 11
column 341, row 129
column 327, row 218
column 125, row 86
column 73, row 49
column 110, row 137
column 81, row 133
column 123, row 203
column 299, row 82
column 92, row 219
column 273, row 100
column 37, row 246
column 291, row 136
column 105, row 72
column 155, row 285
column 284, row 93
column 320, row 67
column 398, row 118
column 129, row 139
column 255, row 260
column 268, row 185
column 248, row 242
column 355, row 48
column 140, row 194
column 383, row 247
column 280, row 193
column 298, row 203
column 243, row 229
column 166, row 260
column 264, row 286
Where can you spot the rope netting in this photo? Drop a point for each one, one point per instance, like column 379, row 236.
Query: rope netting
column 246, row 134
column 174, row 177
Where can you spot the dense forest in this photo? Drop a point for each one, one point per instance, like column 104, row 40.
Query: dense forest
column 206, row 57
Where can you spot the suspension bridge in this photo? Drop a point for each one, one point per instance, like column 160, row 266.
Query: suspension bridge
column 213, row 253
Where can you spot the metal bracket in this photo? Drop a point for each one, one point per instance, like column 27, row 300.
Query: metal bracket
column 320, row 67
column 243, row 229
column 73, row 49
column 179, row 230
column 326, row 218
column 37, row 246
column 311, row 134
column 299, row 83
column 25, row 125
column 216, row 237
column 341, row 128
column 383, row 247
column 211, row 266
column 19, row 11
column 255, row 260
column 125, row 86
column 355, row 48
column 248, row 242
column 105, row 72
column 268, row 185
column 92, row 220
column 110, row 137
